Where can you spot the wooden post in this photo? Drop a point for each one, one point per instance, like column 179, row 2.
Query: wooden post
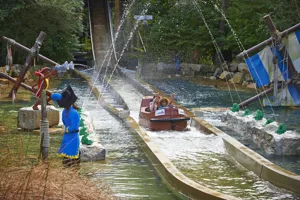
column 44, row 128
column 117, row 8
column 33, row 52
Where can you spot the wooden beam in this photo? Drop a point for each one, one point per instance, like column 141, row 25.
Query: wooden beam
column 20, row 46
column 29, row 59
column 292, row 73
column 247, row 53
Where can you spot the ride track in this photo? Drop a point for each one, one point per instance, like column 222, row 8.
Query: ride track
column 173, row 178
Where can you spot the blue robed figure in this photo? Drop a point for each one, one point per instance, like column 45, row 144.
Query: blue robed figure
column 69, row 149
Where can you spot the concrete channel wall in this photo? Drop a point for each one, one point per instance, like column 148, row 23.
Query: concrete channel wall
column 171, row 176
column 245, row 156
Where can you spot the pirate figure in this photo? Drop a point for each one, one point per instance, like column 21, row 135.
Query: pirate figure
column 69, row 149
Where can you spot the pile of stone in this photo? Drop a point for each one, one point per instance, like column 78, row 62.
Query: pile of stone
column 235, row 73
column 263, row 135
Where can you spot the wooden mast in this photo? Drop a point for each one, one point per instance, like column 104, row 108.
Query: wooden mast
column 29, row 59
column 276, row 38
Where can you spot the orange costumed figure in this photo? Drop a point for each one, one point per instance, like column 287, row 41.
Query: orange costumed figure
column 44, row 75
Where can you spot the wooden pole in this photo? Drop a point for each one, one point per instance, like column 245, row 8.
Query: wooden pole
column 44, row 128
column 33, row 53
column 249, row 52
column 26, row 87
column 292, row 73
column 14, row 43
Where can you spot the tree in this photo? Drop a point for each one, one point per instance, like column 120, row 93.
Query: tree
column 61, row 20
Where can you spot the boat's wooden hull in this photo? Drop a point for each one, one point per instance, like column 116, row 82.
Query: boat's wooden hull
column 170, row 118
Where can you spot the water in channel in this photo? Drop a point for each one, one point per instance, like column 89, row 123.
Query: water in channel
column 196, row 96
column 198, row 156
column 126, row 169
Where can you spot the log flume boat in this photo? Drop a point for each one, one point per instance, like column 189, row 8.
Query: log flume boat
column 167, row 118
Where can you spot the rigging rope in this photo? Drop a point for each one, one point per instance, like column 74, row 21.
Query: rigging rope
column 219, row 54
column 125, row 46
column 241, row 47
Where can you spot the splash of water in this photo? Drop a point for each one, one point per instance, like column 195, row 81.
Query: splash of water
column 123, row 18
column 125, row 46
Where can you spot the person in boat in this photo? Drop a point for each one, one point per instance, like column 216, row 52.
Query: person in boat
column 154, row 103
column 164, row 103
column 69, row 149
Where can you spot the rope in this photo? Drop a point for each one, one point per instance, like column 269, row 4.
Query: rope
column 215, row 44
column 240, row 45
column 125, row 46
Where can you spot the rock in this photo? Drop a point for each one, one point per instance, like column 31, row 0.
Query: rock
column 248, row 78
column 226, row 75
column 244, row 83
column 213, row 78
column 90, row 153
column 196, row 68
column 251, row 85
column 233, row 67
column 242, row 67
column 238, row 77
column 207, row 69
column 30, row 119
column 263, row 136
column 160, row 66
column 218, row 72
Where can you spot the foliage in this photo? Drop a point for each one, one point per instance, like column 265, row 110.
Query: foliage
column 178, row 28
column 61, row 20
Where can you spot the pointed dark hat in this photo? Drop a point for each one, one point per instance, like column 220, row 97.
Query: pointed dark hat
column 66, row 99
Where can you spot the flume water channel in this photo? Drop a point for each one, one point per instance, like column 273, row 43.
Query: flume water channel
column 126, row 169
column 196, row 96
column 202, row 157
